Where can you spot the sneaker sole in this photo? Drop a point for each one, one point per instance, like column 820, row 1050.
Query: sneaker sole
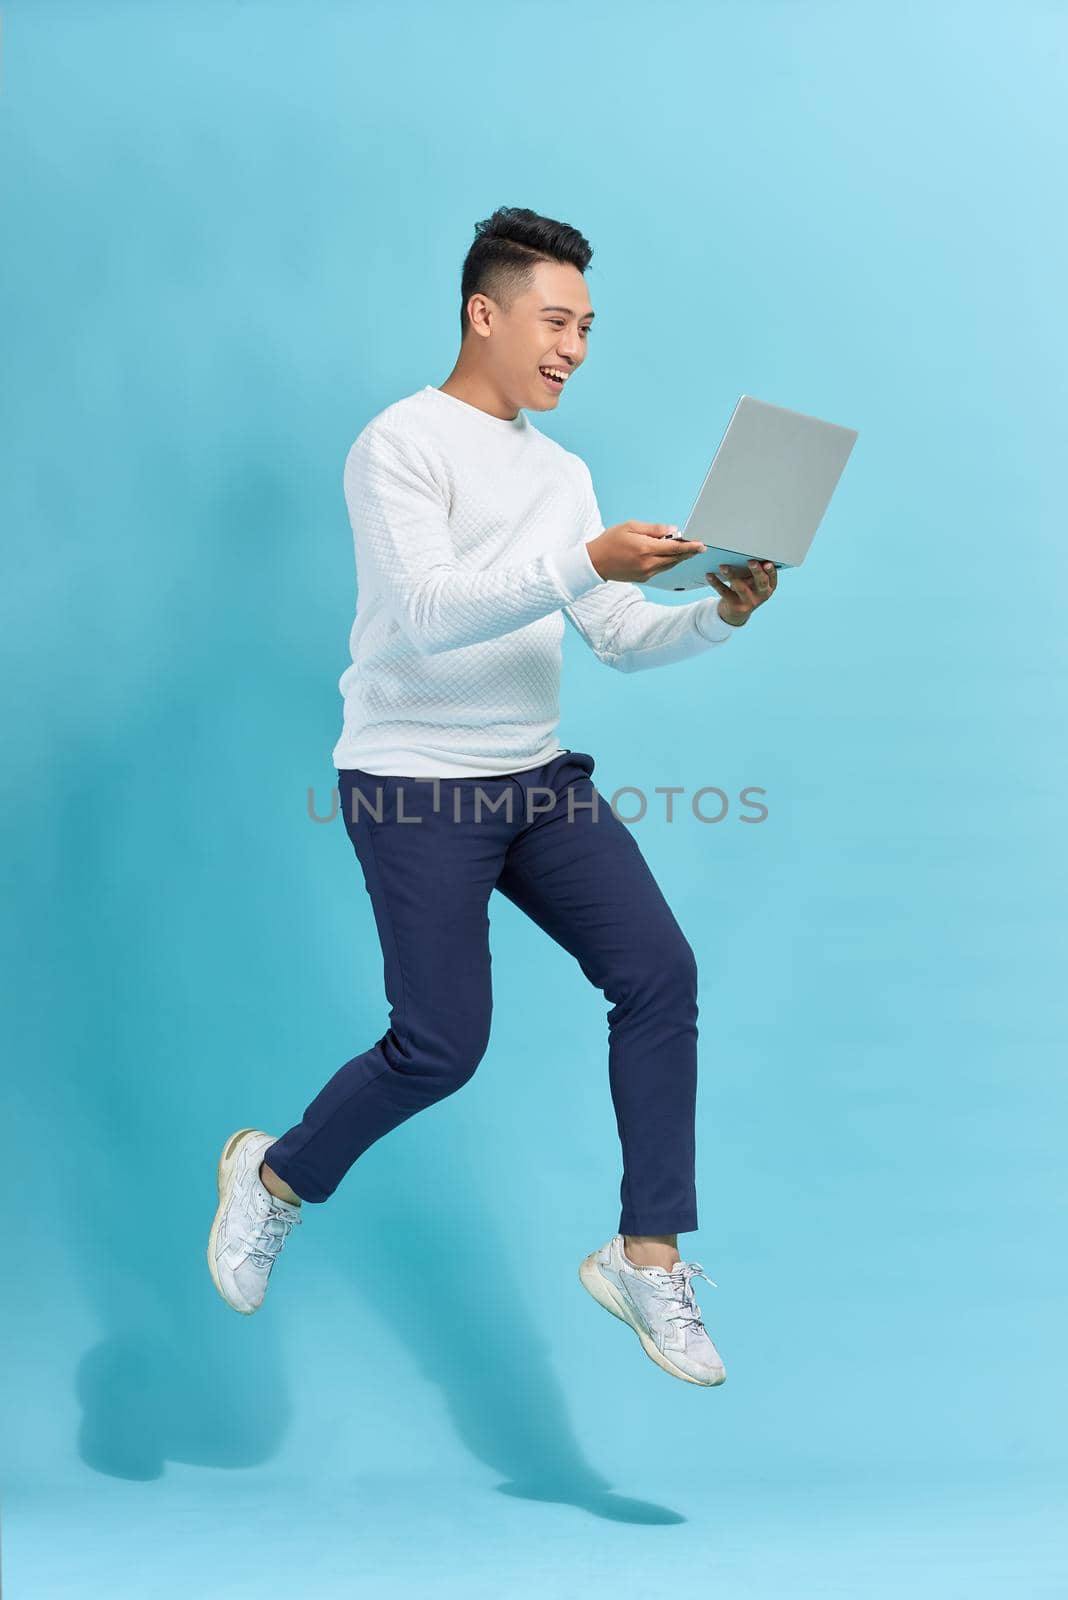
column 227, row 1162
column 595, row 1283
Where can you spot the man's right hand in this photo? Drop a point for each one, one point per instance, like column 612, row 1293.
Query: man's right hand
column 634, row 551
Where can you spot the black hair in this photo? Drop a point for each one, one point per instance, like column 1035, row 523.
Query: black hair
column 506, row 250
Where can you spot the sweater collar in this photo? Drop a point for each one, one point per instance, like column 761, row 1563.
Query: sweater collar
column 502, row 424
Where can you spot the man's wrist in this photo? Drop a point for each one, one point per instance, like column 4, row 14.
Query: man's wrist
column 722, row 606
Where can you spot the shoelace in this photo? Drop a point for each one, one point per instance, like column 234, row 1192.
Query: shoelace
column 677, row 1286
column 265, row 1242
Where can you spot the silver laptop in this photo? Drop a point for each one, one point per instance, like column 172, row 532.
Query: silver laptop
column 764, row 495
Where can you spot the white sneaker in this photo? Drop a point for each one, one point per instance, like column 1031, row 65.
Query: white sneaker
column 660, row 1307
column 250, row 1226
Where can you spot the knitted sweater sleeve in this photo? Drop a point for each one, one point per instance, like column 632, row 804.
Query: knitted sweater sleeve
column 400, row 526
column 630, row 633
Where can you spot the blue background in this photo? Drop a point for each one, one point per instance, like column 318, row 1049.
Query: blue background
column 234, row 233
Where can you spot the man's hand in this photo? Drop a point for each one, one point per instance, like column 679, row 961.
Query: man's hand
column 743, row 589
column 633, row 551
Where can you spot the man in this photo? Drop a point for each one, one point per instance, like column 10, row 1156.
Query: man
column 476, row 535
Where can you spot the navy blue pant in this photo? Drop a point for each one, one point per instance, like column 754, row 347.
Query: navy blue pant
column 574, row 868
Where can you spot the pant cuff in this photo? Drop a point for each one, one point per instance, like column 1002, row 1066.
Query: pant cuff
column 681, row 1222
column 301, row 1184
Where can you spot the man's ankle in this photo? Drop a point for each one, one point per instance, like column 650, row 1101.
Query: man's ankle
column 277, row 1186
column 651, row 1250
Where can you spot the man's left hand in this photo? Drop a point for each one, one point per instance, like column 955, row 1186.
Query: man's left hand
column 742, row 589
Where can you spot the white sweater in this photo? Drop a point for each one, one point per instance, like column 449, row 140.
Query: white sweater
column 470, row 539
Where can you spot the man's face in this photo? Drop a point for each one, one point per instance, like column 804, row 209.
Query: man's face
column 548, row 327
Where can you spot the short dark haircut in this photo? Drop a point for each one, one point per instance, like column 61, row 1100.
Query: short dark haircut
column 506, row 250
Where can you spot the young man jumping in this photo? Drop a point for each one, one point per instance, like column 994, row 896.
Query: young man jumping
column 476, row 535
